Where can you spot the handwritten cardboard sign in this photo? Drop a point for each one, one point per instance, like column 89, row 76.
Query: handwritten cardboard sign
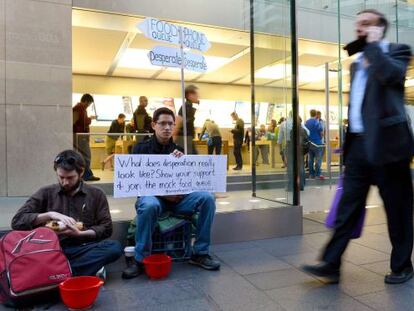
column 171, row 57
column 147, row 175
column 166, row 32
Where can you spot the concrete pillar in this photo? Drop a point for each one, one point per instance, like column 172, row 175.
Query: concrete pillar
column 37, row 47
column 3, row 170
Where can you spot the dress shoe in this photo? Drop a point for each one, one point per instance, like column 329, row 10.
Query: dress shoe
column 399, row 277
column 133, row 269
column 237, row 168
column 323, row 270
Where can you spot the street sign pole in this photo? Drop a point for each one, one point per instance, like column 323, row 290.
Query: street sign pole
column 184, row 108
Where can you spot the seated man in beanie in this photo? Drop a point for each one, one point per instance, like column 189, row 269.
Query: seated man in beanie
column 150, row 207
column 69, row 205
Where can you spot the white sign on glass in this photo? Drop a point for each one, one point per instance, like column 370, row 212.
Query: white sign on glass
column 166, row 32
column 171, row 57
column 150, row 175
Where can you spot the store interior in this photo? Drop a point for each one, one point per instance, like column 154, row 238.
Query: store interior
column 110, row 62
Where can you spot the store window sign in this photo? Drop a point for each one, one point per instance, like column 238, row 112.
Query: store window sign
column 171, row 57
column 166, row 32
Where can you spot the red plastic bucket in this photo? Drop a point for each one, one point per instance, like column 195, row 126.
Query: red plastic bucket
column 79, row 293
column 157, row 266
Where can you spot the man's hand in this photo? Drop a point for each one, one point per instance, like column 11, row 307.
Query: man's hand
column 66, row 220
column 71, row 231
column 374, row 34
column 177, row 153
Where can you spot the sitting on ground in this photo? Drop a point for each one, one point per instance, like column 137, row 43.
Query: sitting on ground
column 149, row 208
column 72, row 204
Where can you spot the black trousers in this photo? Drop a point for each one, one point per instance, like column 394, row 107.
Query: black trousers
column 216, row 145
column 396, row 190
column 82, row 146
column 237, row 151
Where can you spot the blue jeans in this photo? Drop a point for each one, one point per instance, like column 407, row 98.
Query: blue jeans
column 150, row 208
column 88, row 258
column 315, row 160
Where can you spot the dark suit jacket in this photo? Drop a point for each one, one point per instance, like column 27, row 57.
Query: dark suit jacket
column 388, row 134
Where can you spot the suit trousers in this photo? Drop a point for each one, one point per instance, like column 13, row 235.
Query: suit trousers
column 237, row 151
column 396, row 189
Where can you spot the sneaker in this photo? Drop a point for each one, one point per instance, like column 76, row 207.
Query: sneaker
column 134, row 269
column 101, row 274
column 205, row 261
column 93, row 178
column 321, row 177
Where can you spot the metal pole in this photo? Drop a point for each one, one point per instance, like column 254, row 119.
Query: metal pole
column 340, row 99
column 295, row 105
column 183, row 107
column 253, row 99
column 396, row 20
column 328, row 136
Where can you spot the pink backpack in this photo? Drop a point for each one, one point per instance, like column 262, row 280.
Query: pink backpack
column 31, row 262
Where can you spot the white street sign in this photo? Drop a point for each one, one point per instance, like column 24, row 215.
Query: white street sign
column 166, row 32
column 171, row 57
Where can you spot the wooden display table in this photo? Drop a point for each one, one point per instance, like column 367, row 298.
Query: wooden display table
column 204, row 148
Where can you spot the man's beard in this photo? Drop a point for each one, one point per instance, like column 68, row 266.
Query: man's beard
column 73, row 188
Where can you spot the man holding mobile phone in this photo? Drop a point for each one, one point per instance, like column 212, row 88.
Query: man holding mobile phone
column 378, row 149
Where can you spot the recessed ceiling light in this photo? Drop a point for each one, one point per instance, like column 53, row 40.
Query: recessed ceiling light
column 115, row 211
column 254, row 200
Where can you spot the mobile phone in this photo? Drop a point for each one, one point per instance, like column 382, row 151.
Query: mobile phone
column 356, row 46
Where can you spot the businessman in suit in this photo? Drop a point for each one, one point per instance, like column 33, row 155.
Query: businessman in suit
column 378, row 149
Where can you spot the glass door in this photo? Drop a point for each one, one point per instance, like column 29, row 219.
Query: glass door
column 272, row 149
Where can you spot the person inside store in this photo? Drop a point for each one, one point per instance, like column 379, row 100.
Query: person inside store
column 344, row 128
column 238, row 135
column 78, row 212
column 315, row 127
column 261, row 136
column 378, row 149
column 247, row 138
column 117, row 126
column 81, row 123
column 214, row 140
column 285, row 138
column 130, row 129
column 149, row 208
column 323, row 123
column 282, row 146
column 142, row 119
column 192, row 101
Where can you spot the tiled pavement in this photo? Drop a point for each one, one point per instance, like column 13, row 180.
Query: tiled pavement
column 264, row 276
